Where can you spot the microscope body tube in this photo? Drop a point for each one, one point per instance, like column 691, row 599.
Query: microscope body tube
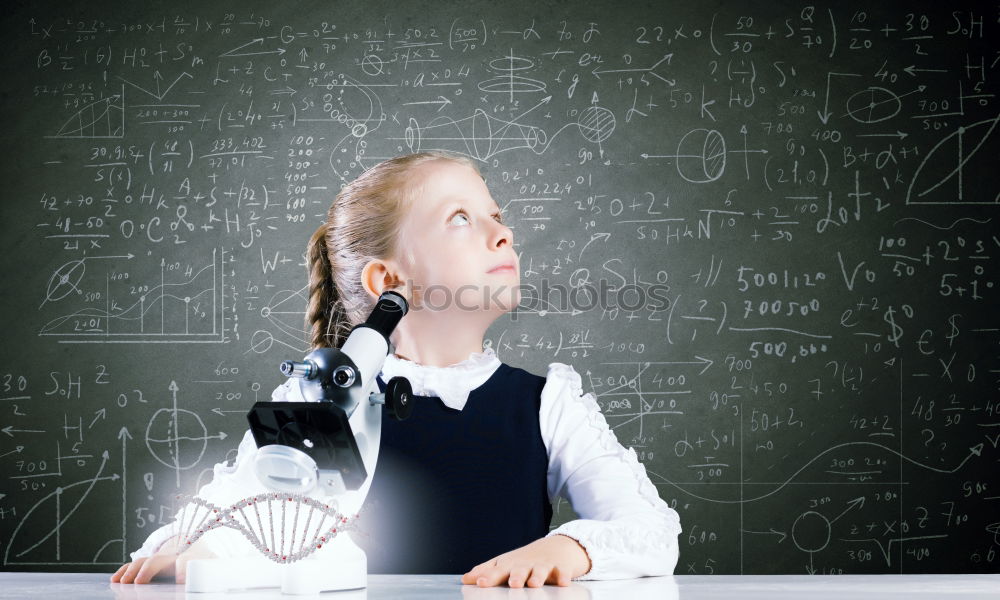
column 368, row 343
column 368, row 349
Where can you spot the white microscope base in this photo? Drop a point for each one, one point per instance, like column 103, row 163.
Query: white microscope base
column 310, row 575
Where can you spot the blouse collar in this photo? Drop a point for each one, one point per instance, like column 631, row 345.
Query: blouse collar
column 452, row 383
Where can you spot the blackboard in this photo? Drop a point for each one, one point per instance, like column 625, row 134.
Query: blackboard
column 811, row 189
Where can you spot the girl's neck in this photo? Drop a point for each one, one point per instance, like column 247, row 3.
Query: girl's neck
column 437, row 357
column 441, row 350
column 442, row 338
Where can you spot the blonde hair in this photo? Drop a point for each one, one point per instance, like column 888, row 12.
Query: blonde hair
column 363, row 224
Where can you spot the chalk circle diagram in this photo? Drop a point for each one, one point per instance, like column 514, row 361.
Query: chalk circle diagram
column 701, row 156
column 283, row 312
column 874, row 104
column 372, row 65
column 811, row 532
column 65, row 280
column 596, row 124
column 177, row 438
column 950, row 160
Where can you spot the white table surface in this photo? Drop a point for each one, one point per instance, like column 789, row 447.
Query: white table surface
column 86, row 586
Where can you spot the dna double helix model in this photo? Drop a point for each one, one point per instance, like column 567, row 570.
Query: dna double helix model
column 270, row 522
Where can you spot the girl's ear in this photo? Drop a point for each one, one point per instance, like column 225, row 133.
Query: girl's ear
column 379, row 276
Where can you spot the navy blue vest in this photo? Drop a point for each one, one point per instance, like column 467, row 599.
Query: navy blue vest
column 455, row 488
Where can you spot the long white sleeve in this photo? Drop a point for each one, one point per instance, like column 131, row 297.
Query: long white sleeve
column 230, row 484
column 626, row 528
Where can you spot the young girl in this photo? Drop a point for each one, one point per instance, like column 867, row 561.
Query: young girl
column 464, row 485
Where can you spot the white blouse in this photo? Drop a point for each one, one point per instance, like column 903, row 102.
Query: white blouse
column 626, row 528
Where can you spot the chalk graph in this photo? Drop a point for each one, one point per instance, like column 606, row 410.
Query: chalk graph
column 181, row 303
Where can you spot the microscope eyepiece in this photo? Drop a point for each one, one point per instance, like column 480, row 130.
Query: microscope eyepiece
column 292, row 368
column 389, row 309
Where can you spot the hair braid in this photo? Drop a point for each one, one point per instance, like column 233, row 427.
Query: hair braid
column 323, row 304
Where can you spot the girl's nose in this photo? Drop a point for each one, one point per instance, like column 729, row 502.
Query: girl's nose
column 502, row 235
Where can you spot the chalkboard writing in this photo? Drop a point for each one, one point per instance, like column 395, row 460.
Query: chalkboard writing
column 811, row 191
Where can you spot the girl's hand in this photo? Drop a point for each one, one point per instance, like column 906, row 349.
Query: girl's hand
column 555, row 559
column 166, row 561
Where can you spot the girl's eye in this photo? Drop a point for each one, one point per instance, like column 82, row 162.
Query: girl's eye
column 498, row 217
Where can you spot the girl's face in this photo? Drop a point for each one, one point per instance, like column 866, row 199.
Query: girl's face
column 452, row 241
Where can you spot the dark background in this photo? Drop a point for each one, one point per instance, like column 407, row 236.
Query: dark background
column 812, row 187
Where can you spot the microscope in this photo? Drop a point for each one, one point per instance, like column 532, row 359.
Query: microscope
column 318, row 454
column 305, row 445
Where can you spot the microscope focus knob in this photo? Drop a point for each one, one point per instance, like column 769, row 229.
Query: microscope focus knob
column 399, row 398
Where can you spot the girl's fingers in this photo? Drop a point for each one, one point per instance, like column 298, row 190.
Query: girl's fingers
column 485, row 569
column 539, row 575
column 518, row 575
column 153, row 566
column 474, row 573
column 499, row 571
column 561, row 576
column 470, row 577
column 133, row 568
column 117, row 575
column 491, row 576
